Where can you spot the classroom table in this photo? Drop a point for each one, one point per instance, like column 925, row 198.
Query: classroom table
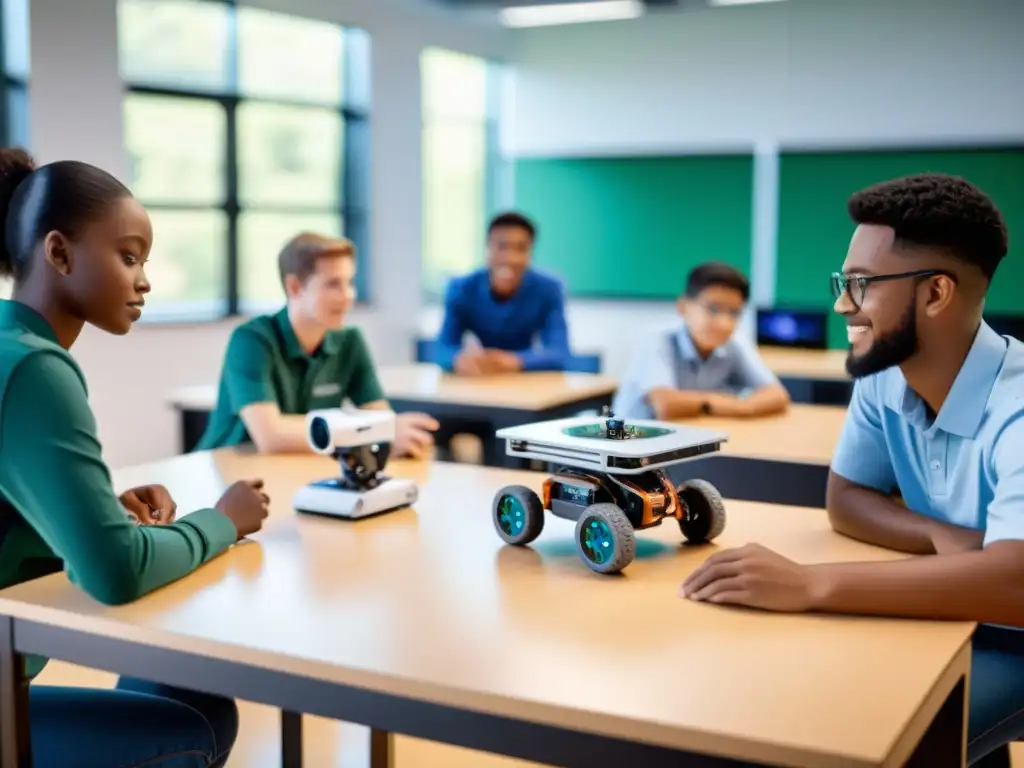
column 486, row 403
column 811, row 375
column 779, row 459
column 423, row 622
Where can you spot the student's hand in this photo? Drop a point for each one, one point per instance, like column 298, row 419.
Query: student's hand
column 470, row 362
column 724, row 404
column 413, row 436
column 756, row 577
column 501, row 361
column 149, row 505
column 954, row 539
column 245, row 505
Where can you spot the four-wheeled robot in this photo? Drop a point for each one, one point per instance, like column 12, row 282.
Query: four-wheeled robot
column 611, row 481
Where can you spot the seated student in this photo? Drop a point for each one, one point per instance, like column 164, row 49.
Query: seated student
column 701, row 366
column 76, row 243
column 937, row 416
column 280, row 366
column 507, row 306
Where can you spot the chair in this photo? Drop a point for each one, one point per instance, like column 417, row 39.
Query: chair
column 423, row 352
column 585, row 364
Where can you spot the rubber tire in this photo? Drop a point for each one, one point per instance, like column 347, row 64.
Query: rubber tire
column 705, row 498
column 532, row 507
column 624, row 538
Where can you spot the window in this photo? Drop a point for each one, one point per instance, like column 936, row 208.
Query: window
column 460, row 162
column 14, row 95
column 243, row 128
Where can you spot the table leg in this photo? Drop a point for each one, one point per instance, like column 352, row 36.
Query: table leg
column 15, row 747
column 291, row 739
column 382, row 749
column 944, row 743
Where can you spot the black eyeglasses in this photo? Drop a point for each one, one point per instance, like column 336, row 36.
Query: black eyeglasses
column 855, row 286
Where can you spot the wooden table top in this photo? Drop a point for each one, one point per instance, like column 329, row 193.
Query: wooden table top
column 805, row 434
column 819, row 364
column 426, row 382
column 428, row 603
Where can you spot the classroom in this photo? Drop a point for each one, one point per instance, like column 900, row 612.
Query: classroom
column 523, row 259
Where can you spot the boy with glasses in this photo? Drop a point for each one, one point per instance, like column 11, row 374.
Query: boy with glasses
column 701, row 366
column 937, row 417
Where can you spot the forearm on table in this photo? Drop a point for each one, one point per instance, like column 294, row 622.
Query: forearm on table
column 277, row 433
column 669, row 404
column 875, row 518
column 767, row 400
column 985, row 586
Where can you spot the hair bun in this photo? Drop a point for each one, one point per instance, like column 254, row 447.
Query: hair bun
column 16, row 165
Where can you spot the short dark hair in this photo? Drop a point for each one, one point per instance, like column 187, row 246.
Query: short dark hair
column 713, row 273
column 301, row 254
column 61, row 196
column 940, row 211
column 512, row 219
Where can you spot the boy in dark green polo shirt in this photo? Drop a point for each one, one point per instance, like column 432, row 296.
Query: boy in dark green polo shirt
column 278, row 367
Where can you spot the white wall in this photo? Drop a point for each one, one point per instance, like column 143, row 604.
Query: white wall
column 801, row 73
column 76, row 98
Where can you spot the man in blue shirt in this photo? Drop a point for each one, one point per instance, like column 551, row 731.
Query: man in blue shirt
column 508, row 306
column 937, row 417
column 701, row 366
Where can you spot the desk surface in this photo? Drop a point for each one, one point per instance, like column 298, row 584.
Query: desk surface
column 428, row 603
column 818, row 364
column 806, row 434
column 428, row 383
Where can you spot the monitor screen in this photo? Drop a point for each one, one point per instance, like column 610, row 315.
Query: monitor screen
column 792, row 328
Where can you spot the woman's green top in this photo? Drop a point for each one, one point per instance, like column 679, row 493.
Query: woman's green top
column 58, row 508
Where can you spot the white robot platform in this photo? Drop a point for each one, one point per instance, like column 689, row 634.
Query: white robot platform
column 607, row 444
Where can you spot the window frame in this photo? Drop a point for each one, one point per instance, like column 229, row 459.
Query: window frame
column 494, row 168
column 354, row 113
column 12, row 84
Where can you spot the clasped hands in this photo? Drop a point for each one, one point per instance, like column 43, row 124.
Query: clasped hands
column 149, row 505
column 484, row 362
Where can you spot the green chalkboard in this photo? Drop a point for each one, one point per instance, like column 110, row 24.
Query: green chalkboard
column 815, row 230
column 631, row 228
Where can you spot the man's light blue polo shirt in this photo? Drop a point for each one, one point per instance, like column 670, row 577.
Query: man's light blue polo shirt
column 965, row 466
column 668, row 359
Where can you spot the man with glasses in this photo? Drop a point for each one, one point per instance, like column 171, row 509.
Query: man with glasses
column 937, row 418
column 702, row 366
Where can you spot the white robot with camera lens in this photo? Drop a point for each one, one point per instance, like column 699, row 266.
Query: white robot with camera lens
column 361, row 441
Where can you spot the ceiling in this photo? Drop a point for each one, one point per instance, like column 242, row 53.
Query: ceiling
column 499, row 3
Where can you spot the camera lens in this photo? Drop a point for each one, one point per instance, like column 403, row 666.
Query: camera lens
column 320, row 433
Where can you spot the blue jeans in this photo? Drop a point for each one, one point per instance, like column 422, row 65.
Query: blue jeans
column 136, row 724
column 996, row 691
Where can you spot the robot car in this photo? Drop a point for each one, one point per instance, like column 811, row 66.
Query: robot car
column 360, row 440
column 611, row 482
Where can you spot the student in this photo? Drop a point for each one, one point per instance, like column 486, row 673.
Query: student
column 508, row 306
column 937, row 416
column 76, row 243
column 701, row 366
column 280, row 366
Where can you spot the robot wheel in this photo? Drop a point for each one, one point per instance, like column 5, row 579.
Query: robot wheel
column 517, row 514
column 605, row 539
column 704, row 511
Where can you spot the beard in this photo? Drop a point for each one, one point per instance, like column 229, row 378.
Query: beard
column 895, row 348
